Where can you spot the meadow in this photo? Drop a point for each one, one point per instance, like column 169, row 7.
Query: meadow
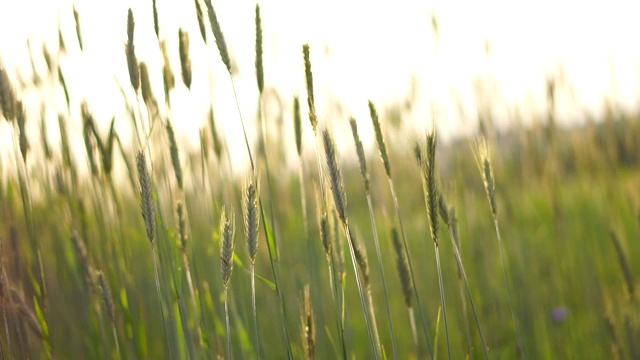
column 516, row 242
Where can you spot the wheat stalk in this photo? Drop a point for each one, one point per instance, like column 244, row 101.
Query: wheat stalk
column 405, row 281
column 227, row 245
column 148, row 215
column 365, row 179
column 430, row 189
column 448, row 216
column 486, row 172
column 383, row 155
column 340, row 202
column 251, row 223
column 107, row 301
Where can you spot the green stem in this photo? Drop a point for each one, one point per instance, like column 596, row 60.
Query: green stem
column 384, row 282
column 164, row 323
column 413, row 279
column 363, row 302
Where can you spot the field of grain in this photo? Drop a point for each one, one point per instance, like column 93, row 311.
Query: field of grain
column 518, row 242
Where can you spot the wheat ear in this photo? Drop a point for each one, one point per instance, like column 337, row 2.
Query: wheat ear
column 430, row 189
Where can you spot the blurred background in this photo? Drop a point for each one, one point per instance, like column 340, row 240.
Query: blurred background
column 457, row 61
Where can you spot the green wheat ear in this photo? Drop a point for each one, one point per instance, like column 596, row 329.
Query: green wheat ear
column 227, row 231
column 7, row 95
column 76, row 17
column 200, row 17
column 148, row 210
column 259, row 69
column 335, row 176
column 309, row 81
column 185, row 61
column 379, row 138
column 132, row 62
column 175, row 158
column 217, row 33
column 297, row 124
column 145, row 84
column 430, row 186
column 251, row 219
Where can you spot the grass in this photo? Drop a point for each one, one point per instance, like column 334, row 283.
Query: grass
column 76, row 227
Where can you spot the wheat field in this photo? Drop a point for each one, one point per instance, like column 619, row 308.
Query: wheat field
column 123, row 241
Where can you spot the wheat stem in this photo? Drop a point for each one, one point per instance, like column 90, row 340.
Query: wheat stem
column 430, row 189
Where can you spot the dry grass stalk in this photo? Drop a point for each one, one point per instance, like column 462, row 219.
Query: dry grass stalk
column 76, row 17
column 217, row 33
column 379, row 138
column 132, row 62
column 309, row 81
column 259, row 69
column 148, row 210
column 185, row 61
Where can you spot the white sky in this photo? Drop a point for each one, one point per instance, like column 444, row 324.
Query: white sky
column 360, row 50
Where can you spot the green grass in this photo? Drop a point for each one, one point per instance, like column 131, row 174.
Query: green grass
column 561, row 192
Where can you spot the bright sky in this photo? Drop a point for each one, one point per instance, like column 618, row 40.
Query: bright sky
column 360, row 50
